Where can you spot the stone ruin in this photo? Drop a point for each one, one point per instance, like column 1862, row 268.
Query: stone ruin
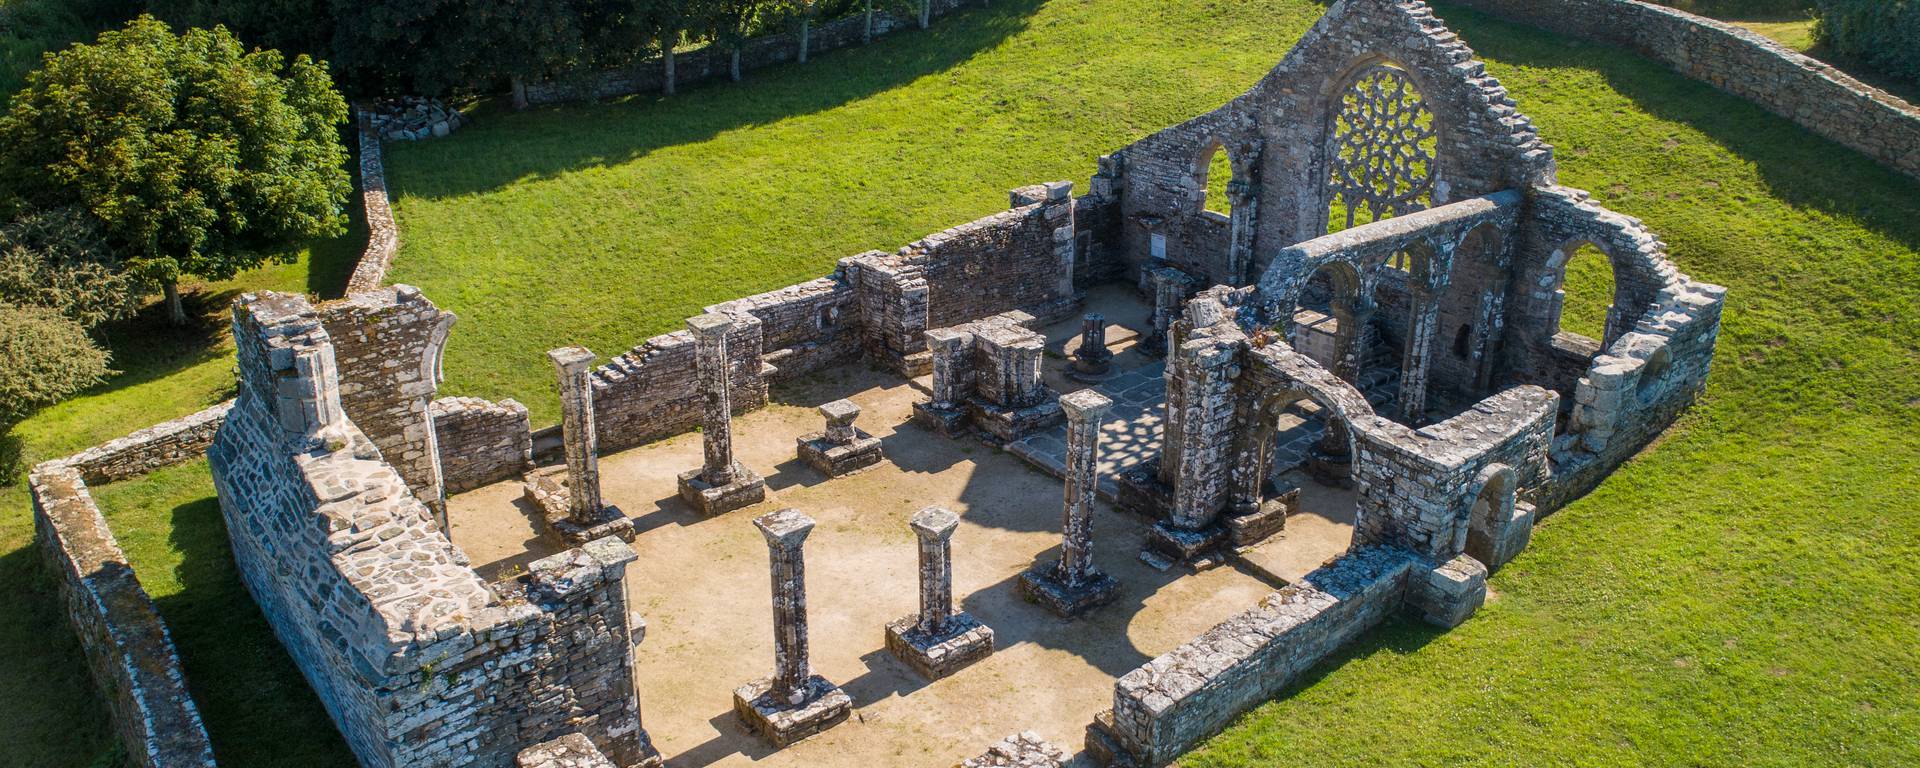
column 1376, row 313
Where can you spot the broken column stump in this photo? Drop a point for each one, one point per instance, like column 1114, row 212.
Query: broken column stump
column 843, row 448
column 1092, row 361
column 568, row 497
column 938, row 641
column 1258, row 522
column 1073, row 585
column 721, row 484
column 794, row 703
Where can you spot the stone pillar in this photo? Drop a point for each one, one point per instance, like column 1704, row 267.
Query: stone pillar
column 721, row 484
column 712, row 369
column 938, row 641
column 575, row 366
column 1092, row 361
column 841, row 449
column 1241, row 195
column 1072, row 585
column 947, row 346
column 1418, row 356
column 794, row 703
column 1169, row 288
column 1203, row 472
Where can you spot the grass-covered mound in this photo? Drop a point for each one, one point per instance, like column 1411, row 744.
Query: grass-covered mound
column 1744, row 593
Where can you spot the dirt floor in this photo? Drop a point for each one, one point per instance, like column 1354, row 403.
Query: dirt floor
column 702, row 586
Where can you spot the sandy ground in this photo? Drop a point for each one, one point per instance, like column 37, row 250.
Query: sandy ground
column 702, row 584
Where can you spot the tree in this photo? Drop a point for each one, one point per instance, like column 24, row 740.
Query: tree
column 804, row 11
column 48, row 358
column 195, row 156
column 59, row 260
column 727, row 22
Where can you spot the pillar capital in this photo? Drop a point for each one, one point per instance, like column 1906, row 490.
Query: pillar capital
column 785, row 529
column 571, row 360
column 1084, row 406
column 934, row 523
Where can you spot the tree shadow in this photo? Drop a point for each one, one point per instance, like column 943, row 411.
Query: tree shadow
column 1833, row 179
column 257, row 706
column 505, row 147
column 47, row 697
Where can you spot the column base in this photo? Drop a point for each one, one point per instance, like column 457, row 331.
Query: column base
column 822, row 705
column 1010, row 423
column 746, row 490
column 945, row 422
column 963, row 641
column 1184, row 545
column 1091, row 371
column 1330, row 469
column 1248, row 527
column 546, row 489
column 1041, row 584
column 1138, row 490
column 835, row 460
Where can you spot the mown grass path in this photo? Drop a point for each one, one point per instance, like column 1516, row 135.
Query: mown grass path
column 1746, row 593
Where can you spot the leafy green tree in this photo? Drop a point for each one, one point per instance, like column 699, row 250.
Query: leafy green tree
column 196, row 156
column 59, row 260
column 727, row 23
column 1883, row 33
column 48, row 357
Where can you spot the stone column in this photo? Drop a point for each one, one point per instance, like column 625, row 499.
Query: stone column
column 939, row 640
column 712, row 369
column 1422, row 318
column 1240, row 195
column 1092, row 361
column 842, row 448
column 934, row 527
column 1073, row 584
column 575, row 366
column 786, row 532
column 794, row 703
column 947, row 346
column 721, row 484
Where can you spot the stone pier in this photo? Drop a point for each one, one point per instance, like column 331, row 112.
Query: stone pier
column 569, row 497
column 1073, row 585
column 843, row 448
column 1092, row 362
column 794, row 703
column 721, row 484
column 939, row 640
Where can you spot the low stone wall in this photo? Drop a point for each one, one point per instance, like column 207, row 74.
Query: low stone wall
column 713, row 62
column 1741, row 62
column 651, row 392
column 481, row 442
column 161, row 445
column 128, row 650
column 1174, row 702
column 383, row 236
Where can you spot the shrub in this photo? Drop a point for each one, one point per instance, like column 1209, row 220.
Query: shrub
column 59, row 260
column 1882, row 33
column 48, row 357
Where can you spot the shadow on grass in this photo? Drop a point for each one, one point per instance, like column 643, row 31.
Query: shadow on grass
column 504, row 147
column 258, row 708
column 1835, row 179
column 50, row 712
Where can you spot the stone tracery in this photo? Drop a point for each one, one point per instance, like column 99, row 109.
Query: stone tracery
column 1380, row 150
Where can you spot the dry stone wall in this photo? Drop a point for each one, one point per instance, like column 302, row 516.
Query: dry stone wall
column 418, row 660
column 481, row 442
column 1747, row 64
column 161, row 445
column 713, row 62
column 128, row 650
column 383, row 236
column 652, row 392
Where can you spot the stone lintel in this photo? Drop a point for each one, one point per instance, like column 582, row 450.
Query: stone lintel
column 821, row 706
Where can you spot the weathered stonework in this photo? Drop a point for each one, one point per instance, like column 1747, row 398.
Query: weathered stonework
column 481, row 442
column 570, row 501
column 843, row 448
column 161, row 445
column 721, row 484
column 1072, row 585
column 1021, row 750
column 794, row 703
column 1092, row 361
column 938, row 641
column 570, row 751
column 387, row 345
column 986, row 377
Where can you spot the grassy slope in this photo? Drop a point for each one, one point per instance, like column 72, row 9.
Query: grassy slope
column 1737, row 596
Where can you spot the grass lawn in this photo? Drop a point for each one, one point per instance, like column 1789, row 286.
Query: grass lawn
column 1744, row 594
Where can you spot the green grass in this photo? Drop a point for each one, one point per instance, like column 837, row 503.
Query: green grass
column 1589, row 292
column 1743, row 594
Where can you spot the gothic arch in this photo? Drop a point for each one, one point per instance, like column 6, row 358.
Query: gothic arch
column 1380, row 144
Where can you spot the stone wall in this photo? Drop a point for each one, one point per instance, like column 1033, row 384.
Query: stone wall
column 712, row 62
column 1277, row 138
column 1176, row 701
column 383, row 236
column 127, row 647
column 417, row 659
column 1741, row 62
column 651, row 392
column 804, row 327
column 387, row 344
column 161, row 445
column 481, row 442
